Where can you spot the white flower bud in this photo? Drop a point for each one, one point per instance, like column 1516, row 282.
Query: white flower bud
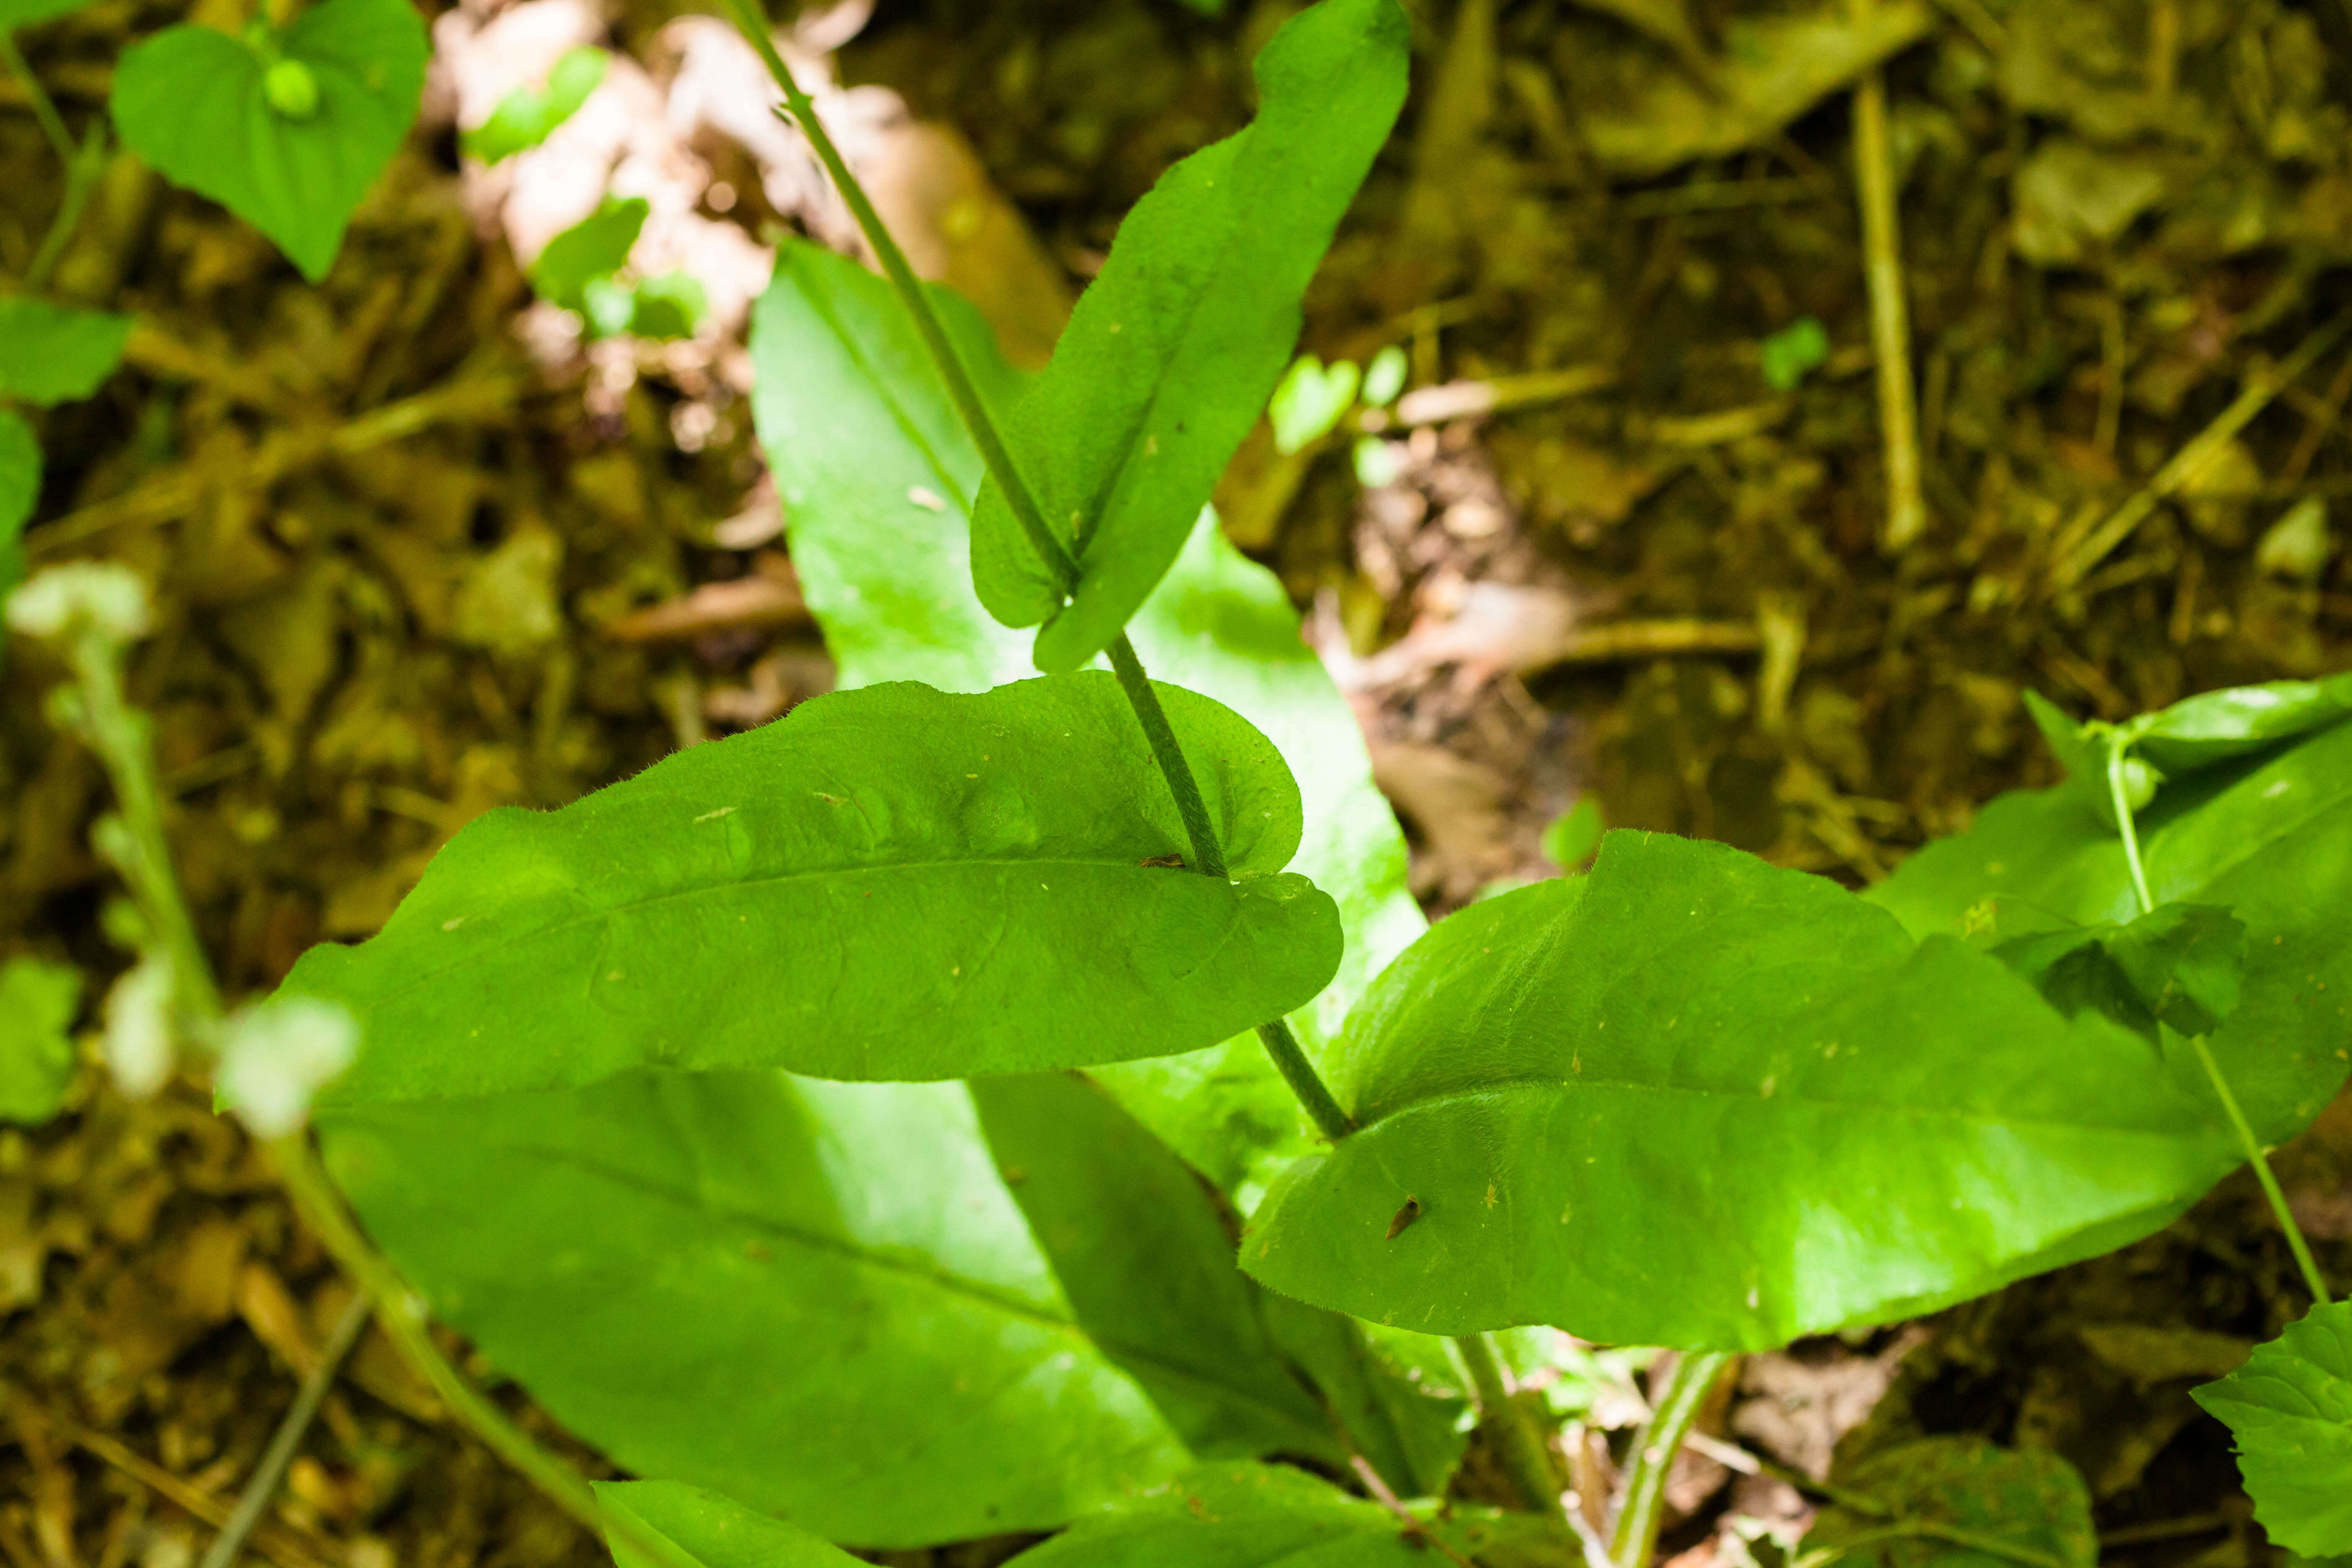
column 139, row 1028
column 276, row 1057
column 108, row 599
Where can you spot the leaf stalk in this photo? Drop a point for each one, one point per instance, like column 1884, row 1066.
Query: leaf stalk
column 1636, row 1538
column 1524, row 1451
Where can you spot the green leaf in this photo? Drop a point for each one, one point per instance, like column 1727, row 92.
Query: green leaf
column 2181, row 964
column 194, row 103
column 20, row 492
column 2029, row 1500
column 1689, row 1100
column 2215, row 726
column 814, row 1298
column 1142, row 1249
column 1235, row 1516
column 2267, row 837
column 2290, row 1407
column 55, row 354
column 1789, row 355
column 876, row 474
column 37, row 1004
column 525, row 116
column 1310, row 401
column 710, row 1529
column 594, row 248
column 669, row 305
column 1574, row 835
column 892, row 883
column 1397, row 1396
column 1385, row 376
column 14, row 14
column 1175, row 348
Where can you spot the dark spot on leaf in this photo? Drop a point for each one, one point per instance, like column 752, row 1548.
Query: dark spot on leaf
column 1404, row 1216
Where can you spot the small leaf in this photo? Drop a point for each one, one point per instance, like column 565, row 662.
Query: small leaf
column 55, row 354
column 670, row 305
column 1690, row 1099
column 1309, row 401
column 709, row 1529
column 891, row 883
column 526, row 117
column 1384, row 377
column 2215, row 726
column 196, row 105
column 15, row 14
column 1789, row 355
column 814, row 1298
column 2028, row 1500
column 1175, row 348
column 20, row 491
column 595, row 247
column 37, row 1004
column 2290, row 1407
column 1574, row 835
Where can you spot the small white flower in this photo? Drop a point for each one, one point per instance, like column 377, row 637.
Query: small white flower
column 139, row 1026
column 276, row 1058
column 109, row 599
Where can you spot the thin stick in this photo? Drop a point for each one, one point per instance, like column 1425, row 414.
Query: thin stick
column 962, row 389
column 270, row 1474
column 53, row 125
column 1694, row 1378
column 1890, row 318
column 1524, row 1452
column 2079, row 550
column 1414, row 1530
column 2256, row 1155
column 271, row 1540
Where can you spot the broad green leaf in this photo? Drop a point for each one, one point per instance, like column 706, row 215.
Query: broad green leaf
column 1176, row 346
column 1397, row 1396
column 814, row 1298
column 525, row 116
column 2267, row 837
column 2028, row 1500
column 712, row 1530
column 1689, row 1100
column 198, row 106
column 594, row 248
column 14, row 14
column 55, row 354
column 891, row 883
column 38, row 1003
column 20, row 492
column 2290, row 1407
column 876, row 475
column 1142, row 1249
column 1236, row 1516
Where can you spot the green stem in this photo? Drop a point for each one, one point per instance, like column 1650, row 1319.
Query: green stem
column 962, row 389
column 2256, row 1155
column 1524, row 1451
column 1208, row 853
column 270, row 1474
column 81, row 179
column 53, row 124
column 1676, row 1411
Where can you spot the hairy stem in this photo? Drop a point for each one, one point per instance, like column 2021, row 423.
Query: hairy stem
column 1208, row 852
column 2256, row 1155
column 270, row 1474
column 1524, row 1452
column 1676, row 1411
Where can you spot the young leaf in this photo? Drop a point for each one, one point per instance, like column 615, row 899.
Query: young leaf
column 595, row 247
column 55, row 354
column 1141, row 1247
column 814, row 1298
column 709, row 1529
column 1309, row 401
column 2215, row 726
column 1235, row 1516
column 37, row 1004
column 876, row 474
column 20, row 491
column 892, row 883
column 2290, row 1407
column 1175, row 347
column 2025, row 1498
column 1574, row 835
column 2267, row 837
column 1689, row 1100
column 526, row 117
column 228, row 119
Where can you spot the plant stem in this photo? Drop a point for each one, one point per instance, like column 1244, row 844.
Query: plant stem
column 1890, row 321
column 1208, row 853
column 2256, row 1155
column 81, row 179
column 1524, row 1452
column 960, row 387
column 1676, row 1411
column 270, row 1474
column 53, row 125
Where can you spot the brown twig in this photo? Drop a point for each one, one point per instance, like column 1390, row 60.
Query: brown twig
column 1890, row 317
column 1414, row 1530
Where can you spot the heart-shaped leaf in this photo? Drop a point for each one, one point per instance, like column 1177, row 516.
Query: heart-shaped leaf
column 1310, row 401
column 889, row 883
column 2291, row 1408
column 226, row 118
column 55, row 354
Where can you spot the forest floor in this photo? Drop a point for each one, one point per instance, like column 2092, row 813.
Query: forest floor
column 422, row 554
